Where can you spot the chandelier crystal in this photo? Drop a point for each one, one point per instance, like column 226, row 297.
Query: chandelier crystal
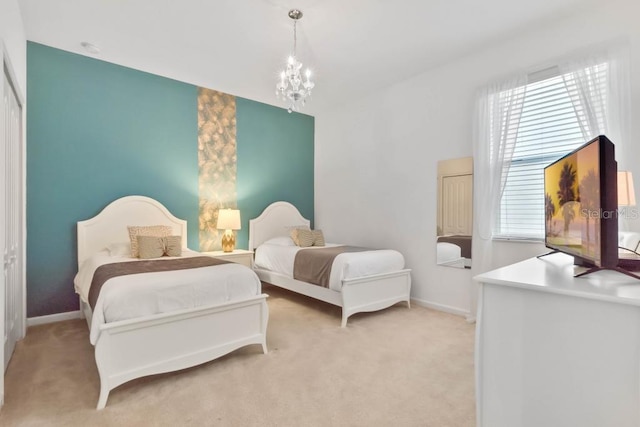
column 292, row 88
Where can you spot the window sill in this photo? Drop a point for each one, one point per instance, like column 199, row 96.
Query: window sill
column 517, row 239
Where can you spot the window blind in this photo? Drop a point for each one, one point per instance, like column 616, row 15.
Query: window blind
column 550, row 125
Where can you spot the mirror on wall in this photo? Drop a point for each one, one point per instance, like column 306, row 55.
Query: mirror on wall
column 455, row 212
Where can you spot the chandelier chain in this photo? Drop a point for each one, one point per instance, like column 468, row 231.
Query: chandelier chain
column 295, row 37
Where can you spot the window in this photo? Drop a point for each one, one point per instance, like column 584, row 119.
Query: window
column 551, row 123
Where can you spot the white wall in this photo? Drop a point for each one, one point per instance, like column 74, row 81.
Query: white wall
column 15, row 42
column 376, row 157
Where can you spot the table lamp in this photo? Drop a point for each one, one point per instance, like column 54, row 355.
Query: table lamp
column 228, row 220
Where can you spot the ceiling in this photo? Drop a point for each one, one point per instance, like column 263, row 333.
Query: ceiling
column 239, row 46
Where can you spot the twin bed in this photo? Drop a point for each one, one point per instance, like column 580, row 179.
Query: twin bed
column 169, row 339
column 155, row 322
column 362, row 281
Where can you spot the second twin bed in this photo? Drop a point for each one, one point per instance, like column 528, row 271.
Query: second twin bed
column 359, row 281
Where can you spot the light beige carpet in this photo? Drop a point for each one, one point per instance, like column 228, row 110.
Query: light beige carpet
column 396, row 367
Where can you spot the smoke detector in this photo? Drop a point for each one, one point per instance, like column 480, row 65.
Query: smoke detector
column 90, row 48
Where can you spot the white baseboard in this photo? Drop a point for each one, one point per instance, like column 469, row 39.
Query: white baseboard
column 441, row 307
column 51, row 318
column 69, row 315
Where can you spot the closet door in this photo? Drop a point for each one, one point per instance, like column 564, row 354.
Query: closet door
column 12, row 227
column 457, row 204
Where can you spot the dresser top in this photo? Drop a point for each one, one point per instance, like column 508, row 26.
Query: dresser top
column 554, row 274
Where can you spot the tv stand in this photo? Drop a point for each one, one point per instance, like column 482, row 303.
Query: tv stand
column 549, row 253
column 618, row 269
column 592, row 269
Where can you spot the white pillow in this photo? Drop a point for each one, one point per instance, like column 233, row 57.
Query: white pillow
column 119, row 249
column 280, row 241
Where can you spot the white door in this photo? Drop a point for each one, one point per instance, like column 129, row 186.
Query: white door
column 457, row 204
column 12, row 224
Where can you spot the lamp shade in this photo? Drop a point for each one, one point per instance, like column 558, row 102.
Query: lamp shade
column 626, row 192
column 228, row 219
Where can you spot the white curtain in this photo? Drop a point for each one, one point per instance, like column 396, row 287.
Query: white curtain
column 599, row 87
column 585, row 81
column 498, row 112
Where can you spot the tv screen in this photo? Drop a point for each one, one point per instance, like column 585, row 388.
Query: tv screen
column 581, row 204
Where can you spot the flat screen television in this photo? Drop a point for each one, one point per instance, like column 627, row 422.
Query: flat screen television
column 581, row 203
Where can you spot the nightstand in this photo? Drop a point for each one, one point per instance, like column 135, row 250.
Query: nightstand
column 240, row 256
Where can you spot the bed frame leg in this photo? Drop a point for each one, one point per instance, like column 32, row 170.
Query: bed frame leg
column 104, row 395
column 408, row 303
column 344, row 320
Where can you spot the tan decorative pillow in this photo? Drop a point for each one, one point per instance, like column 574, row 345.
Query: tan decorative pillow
column 303, row 238
column 173, row 245
column 294, row 235
column 156, row 247
column 147, row 230
column 318, row 238
column 150, row 247
column 293, row 231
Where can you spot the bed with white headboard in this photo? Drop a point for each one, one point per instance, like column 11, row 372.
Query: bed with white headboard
column 167, row 341
column 356, row 294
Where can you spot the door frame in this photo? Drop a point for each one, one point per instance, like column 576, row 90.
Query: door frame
column 8, row 70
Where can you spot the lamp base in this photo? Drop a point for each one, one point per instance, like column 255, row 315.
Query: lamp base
column 228, row 241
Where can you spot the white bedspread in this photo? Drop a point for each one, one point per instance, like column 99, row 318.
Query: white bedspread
column 145, row 294
column 447, row 252
column 347, row 265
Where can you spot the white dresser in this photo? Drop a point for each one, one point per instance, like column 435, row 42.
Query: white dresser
column 557, row 351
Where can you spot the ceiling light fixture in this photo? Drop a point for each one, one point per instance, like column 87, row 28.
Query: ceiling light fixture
column 291, row 87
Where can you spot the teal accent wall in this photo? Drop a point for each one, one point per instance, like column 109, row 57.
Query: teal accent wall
column 275, row 160
column 98, row 131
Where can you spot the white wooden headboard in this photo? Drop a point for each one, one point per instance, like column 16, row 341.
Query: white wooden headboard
column 110, row 225
column 274, row 221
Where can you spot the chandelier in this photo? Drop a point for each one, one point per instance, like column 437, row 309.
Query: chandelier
column 293, row 90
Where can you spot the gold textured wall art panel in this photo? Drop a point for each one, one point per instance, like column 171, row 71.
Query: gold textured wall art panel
column 217, row 162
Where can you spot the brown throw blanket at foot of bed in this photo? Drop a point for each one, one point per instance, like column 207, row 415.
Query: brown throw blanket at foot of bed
column 313, row 265
column 108, row 271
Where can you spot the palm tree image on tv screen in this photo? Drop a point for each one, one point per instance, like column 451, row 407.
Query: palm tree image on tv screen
column 572, row 202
